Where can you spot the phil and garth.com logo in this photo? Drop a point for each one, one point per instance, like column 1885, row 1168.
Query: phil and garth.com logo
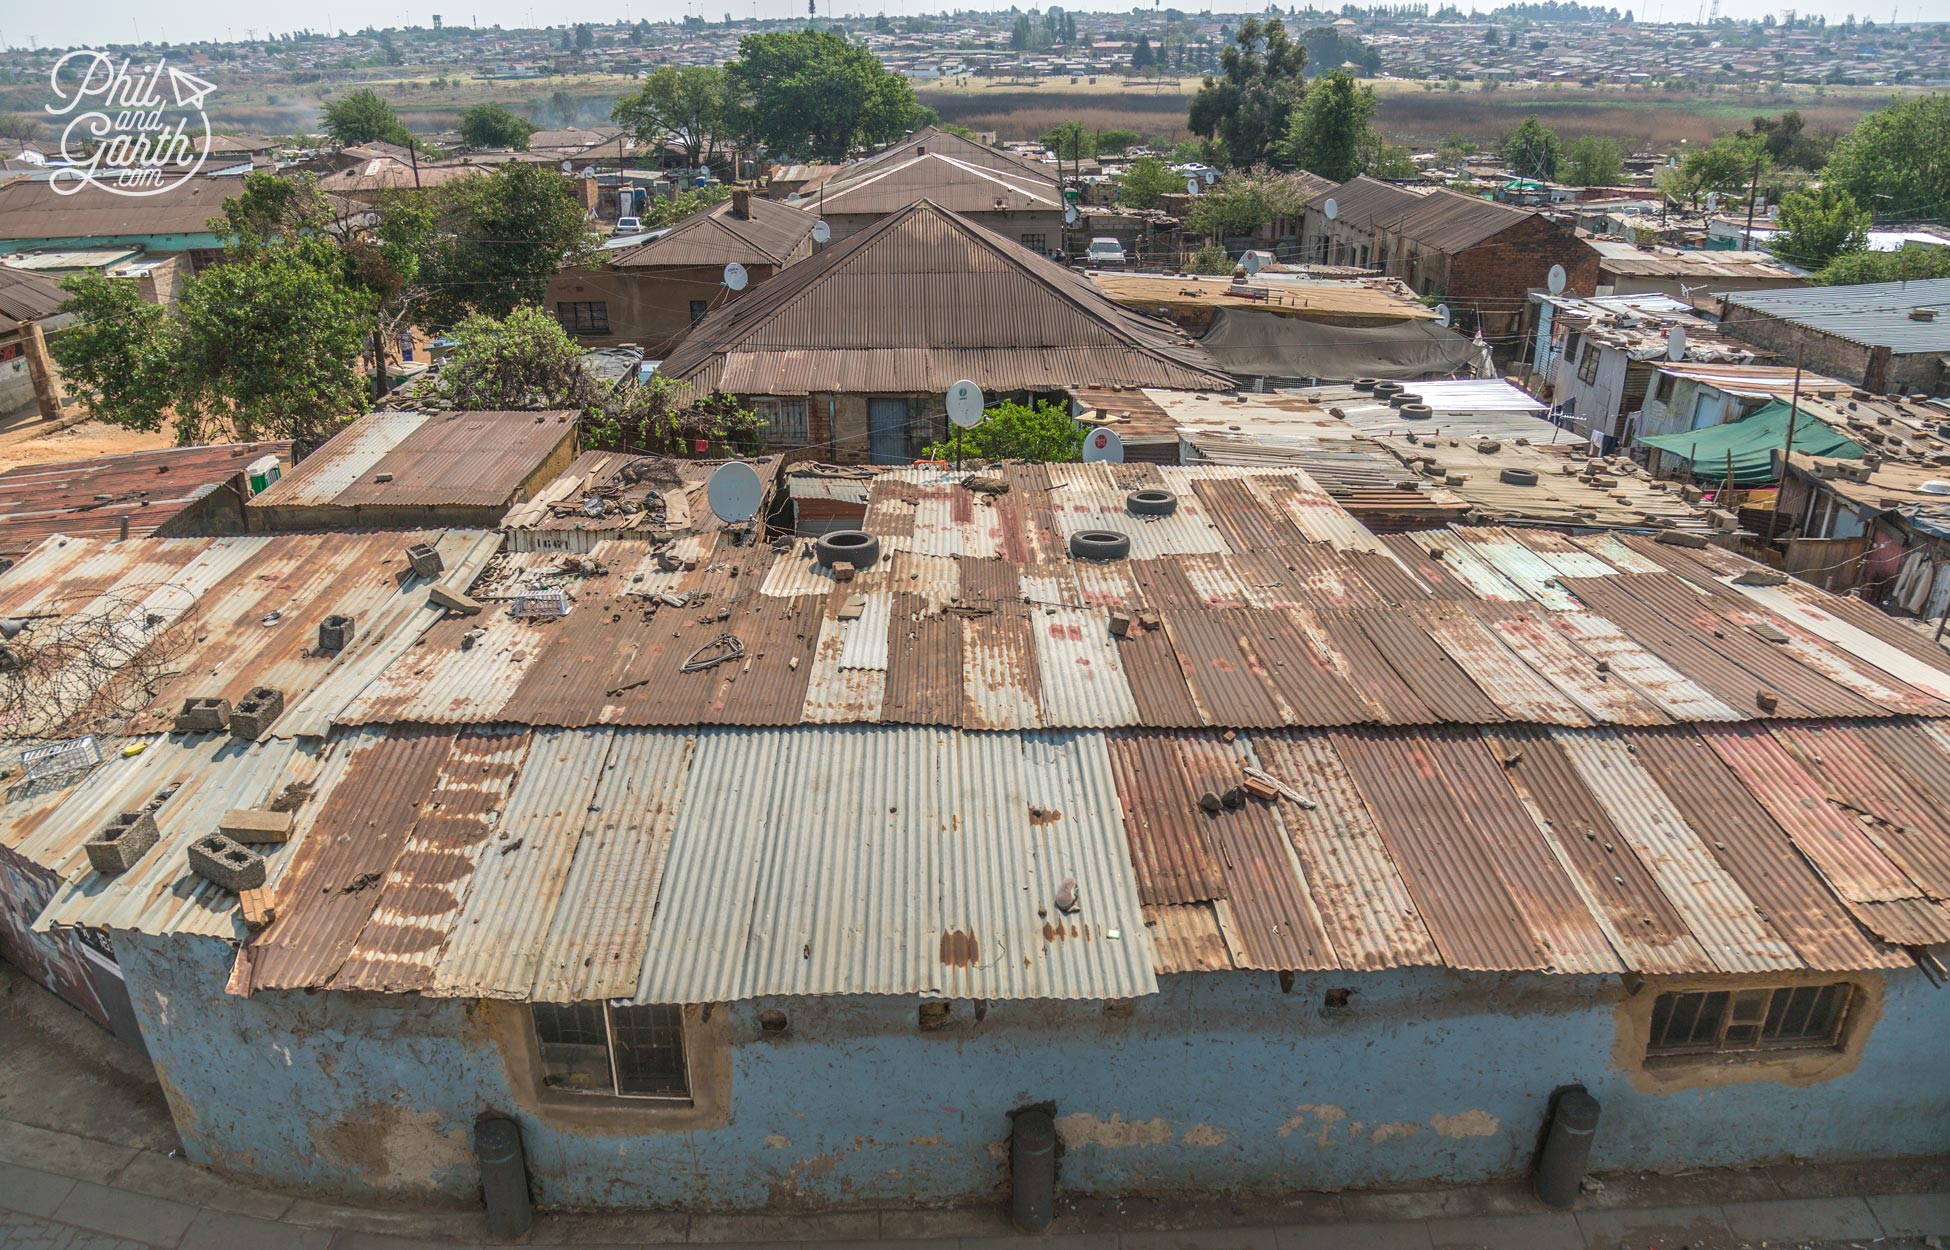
column 123, row 133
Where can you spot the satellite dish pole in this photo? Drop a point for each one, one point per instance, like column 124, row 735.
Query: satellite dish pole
column 964, row 409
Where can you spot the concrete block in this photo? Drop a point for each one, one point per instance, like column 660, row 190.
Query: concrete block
column 1807, row 1219
column 335, row 633
column 252, row 717
column 119, row 1213
column 226, row 864
column 1120, row 624
column 425, row 560
column 254, row 824
column 121, row 842
column 1260, row 788
column 454, row 601
column 1680, row 538
column 843, row 570
column 207, row 715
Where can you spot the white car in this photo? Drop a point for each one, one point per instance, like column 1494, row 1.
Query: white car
column 1104, row 252
column 627, row 225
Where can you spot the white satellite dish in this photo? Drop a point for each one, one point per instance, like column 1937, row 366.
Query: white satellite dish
column 568, row 166
column 1676, row 344
column 1070, row 214
column 822, row 232
column 1191, row 186
column 1210, row 177
column 1712, row 201
column 1332, row 208
column 1103, row 445
column 1442, row 317
column 734, row 492
column 735, row 277
column 965, row 403
column 1554, row 281
column 1250, row 262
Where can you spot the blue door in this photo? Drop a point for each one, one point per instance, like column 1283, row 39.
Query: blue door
column 887, row 430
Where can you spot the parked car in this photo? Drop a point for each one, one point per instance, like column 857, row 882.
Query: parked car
column 1104, row 252
column 627, row 225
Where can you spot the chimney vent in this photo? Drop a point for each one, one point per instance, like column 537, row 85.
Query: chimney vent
column 741, row 203
column 1922, row 314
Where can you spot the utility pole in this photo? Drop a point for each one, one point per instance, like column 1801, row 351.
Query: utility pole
column 1794, row 410
column 1747, row 241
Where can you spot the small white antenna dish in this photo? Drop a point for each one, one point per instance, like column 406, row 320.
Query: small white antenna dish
column 1332, row 208
column 1103, row 445
column 1210, row 177
column 1554, row 281
column 1712, row 201
column 822, row 232
column 1442, row 317
column 734, row 492
column 1250, row 262
column 735, row 277
column 965, row 403
column 1070, row 214
column 1676, row 344
column 567, row 166
column 1191, row 186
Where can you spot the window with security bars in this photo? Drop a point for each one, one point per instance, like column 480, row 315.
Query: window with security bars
column 1588, row 363
column 1708, row 1022
column 584, row 316
column 1036, row 243
column 600, row 1048
column 785, row 420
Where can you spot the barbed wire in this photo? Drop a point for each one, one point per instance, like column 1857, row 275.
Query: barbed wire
column 91, row 664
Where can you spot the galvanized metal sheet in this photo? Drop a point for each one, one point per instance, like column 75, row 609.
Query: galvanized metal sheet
column 836, row 694
column 1088, row 497
column 1461, row 559
column 1082, row 674
column 1672, row 691
column 1000, row 684
column 1530, row 572
column 1814, row 617
column 1552, row 654
column 1186, row 938
column 1500, row 672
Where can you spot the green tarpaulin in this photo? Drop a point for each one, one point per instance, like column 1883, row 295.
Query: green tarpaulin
column 1752, row 442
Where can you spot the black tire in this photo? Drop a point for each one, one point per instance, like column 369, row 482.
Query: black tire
column 1519, row 477
column 1366, row 384
column 1417, row 412
column 1151, row 502
column 1387, row 390
column 857, row 547
column 1404, row 399
column 1100, row 545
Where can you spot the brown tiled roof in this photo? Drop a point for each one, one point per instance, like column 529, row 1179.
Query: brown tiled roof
column 1449, row 221
column 32, row 209
column 769, row 236
column 920, row 300
column 26, row 297
column 941, row 143
column 1361, row 201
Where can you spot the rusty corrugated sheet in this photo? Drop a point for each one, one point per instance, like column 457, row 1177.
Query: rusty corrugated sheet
column 1422, row 665
column 1906, row 657
column 1172, row 856
column 1392, row 582
column 1470, row 569
column 1227, row 675
column 1157, row 680
column 1364, row 904
column 1310, row 678
column 1498, row 671
column 1246, row 523
column 1000, row 685
column 1187, row 938
column 341, row 460
column 1603, row 695
column 1757, row 853
column 399, row 948
column 1899, row 819
column 1081, row 670
column 1374, row 679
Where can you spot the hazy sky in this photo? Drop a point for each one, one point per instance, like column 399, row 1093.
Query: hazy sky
column 102, row 21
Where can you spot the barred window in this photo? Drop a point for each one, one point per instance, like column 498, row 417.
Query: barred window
column 1036, row 243
column 1705, row 1022
column 785, row 420
column 584, row 316
column 1657, row 392
column 600, row 1048
column 699, row 310
column 1588, row 363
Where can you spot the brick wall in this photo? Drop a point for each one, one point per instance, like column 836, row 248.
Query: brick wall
column 1824, row 353
column 1499, row 270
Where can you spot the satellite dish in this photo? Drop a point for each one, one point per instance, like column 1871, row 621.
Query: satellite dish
column 1191, row 186
column 1103, row 445
column 734, row 492
column 734, row 276
column 1712, row 201
column 1442, row 315
column 1070, row 214
column 1676, row 344
column 1210, row 177
column 1554, row 282
column 1332, row 208
column 965, row 403
column 568, row 166
column 822, row 232
column 1250, row 262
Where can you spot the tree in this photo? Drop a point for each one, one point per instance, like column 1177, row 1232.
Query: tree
column 1532, row 151
column 1070, row 141
column 1020, row 34
column 1242, row 202
column 115, row 353
column 1248, row 106
column 1142, row 58
column 563, row 106
column 1324, row 135
column 363, row 117
column 1041, row 433
column 682, row 104
column 496, row 239
column 810, row 93
column 1818, row 225
column 1897, row 160
column 1115, row 142
column 1329, row 49
column 1594, row 161
column 1788, row 142
column 21, row 126
column 1385, row 160
column 1146, row 182
column 585, row 37
column 495, row 126
column 1725, row 167
column 1914, row 261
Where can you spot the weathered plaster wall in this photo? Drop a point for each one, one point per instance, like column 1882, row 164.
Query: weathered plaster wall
column 1219, row 1082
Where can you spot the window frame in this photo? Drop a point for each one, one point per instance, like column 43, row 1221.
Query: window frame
column 700, row 309
column 615, row 1090
column 569, row 313
column 1588, row 364
column 1037, row 243
column 1754, row 1014
column 773, row 407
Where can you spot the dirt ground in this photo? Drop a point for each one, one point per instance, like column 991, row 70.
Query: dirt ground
column 90, row 439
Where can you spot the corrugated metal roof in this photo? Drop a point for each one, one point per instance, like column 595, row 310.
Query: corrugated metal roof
column 426, row 459
column 769, row 235
column 1874, row 314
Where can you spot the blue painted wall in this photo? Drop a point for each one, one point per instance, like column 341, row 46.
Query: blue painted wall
column 1219, row 1082
column 149, row 242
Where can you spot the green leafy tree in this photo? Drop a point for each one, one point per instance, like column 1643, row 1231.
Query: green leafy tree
column 563, row 106
column 1248, row 106
column 585, row 37
column 1789, row 143
column 115, row 354
column 495, row 239
column 1142, row 57
column 363, row 116
column 1020, row 34
column 1818, row 225
column 810, row 93
column 495, row 126
column 1724, row 167
column 1242, row 202
column 668, row 211
column 1115, row 142
column 1146, row 182
column 1532, row 150
column 1071, row 141
column 1211, row 260
column 1855, row 268
column 1044, row 433
column 682, row 104
column 521, row 361
column 1325, row 132
column 1594, row 161
column 1896, row 161
column 1328, row 49
column 1385, row 160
